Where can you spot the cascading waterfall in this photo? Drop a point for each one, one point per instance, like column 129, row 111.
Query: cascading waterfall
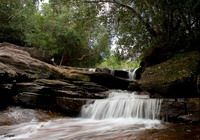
column 123, row 105
column 131, row 74
column 120, row 116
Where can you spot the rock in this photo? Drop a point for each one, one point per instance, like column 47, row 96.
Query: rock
column 138, row 73
column 190, row 118
column 20, row 74
column 176, row 77
column 198, row 84
column 181, row 110
column 71, row 106
column 121, row 74
column 109, row 81
column 134, row 86
column 103, row 70
column 63, row 89
column 58, row 95
column 7, row 91
column 18, row 65
column 31, row 82
column 158, row 54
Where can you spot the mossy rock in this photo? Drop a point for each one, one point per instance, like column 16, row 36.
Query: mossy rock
column 176, row 77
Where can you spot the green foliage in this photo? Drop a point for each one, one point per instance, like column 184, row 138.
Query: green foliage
column 69, row 30
column 79, row 32
column 161, row 23
column 66, row 29
column 13, row 20
column 114, row 62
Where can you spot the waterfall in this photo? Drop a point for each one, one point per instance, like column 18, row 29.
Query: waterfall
column 92, row 70
column 123, row 105
column 131, row 74
column 121, row 116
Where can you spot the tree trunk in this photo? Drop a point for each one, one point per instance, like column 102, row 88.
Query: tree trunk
column 61, row 61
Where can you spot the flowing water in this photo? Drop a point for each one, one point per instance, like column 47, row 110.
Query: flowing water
column 121, row 116
column 132, row 74
column 123, row 105
column 118, row 116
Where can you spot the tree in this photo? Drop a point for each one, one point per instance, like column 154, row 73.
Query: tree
column 69, row 30
column 162, row 23
column 13, row 19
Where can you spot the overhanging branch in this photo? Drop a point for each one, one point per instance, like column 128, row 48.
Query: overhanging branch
column 149, row 28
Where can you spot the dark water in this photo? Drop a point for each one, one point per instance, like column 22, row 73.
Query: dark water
column 27, row 124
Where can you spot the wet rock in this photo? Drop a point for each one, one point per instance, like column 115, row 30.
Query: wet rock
column 58, row 95
column 138, row 72
column 68, row 105
column 198, row 84
column 190, row 118
column 181, row 110
column 42, row 83
column 109, row 81
column 134, row 86
column 63, row 89
column 121, row 74
column 7, row 91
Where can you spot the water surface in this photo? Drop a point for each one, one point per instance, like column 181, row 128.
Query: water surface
column 19, row 123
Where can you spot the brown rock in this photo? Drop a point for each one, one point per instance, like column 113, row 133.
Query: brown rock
column 181, row 110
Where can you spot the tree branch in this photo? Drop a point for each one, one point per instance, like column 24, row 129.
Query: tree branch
column 138, row 15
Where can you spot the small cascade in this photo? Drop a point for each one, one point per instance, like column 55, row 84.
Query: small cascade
column 132, row 74
column 92, row 70
column 112, row 72
column 123, row 105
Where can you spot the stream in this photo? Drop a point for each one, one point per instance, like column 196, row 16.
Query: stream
column 19, row 123
column 119, row 117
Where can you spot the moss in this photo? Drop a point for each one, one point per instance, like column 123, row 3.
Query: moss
column 178, row 67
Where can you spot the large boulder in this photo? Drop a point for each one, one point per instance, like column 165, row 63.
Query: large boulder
column 176, row 77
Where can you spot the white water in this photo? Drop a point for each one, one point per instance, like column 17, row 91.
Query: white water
column 131, row 74
column 78, row 129
column 121, row 116
column 123, row 105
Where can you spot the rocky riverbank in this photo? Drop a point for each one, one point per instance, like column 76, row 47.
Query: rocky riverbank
column 29, row 82
column 173, row 78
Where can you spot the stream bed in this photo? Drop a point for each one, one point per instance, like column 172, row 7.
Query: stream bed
column 24, row 124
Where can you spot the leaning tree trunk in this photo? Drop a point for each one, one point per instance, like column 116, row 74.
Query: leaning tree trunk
column 61, row 61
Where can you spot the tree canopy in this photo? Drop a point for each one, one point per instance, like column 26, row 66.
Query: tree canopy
column 148, row 23
column 82, row 32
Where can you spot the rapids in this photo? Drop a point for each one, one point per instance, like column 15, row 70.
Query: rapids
column 119, row 116
column 122, row 104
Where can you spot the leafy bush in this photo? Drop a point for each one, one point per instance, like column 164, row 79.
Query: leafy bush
column 113, row 62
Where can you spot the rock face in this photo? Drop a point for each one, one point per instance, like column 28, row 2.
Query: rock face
column 181, row 110
column 198, row 84
column 121, row 73
column 176, row 77
column 30, row 82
